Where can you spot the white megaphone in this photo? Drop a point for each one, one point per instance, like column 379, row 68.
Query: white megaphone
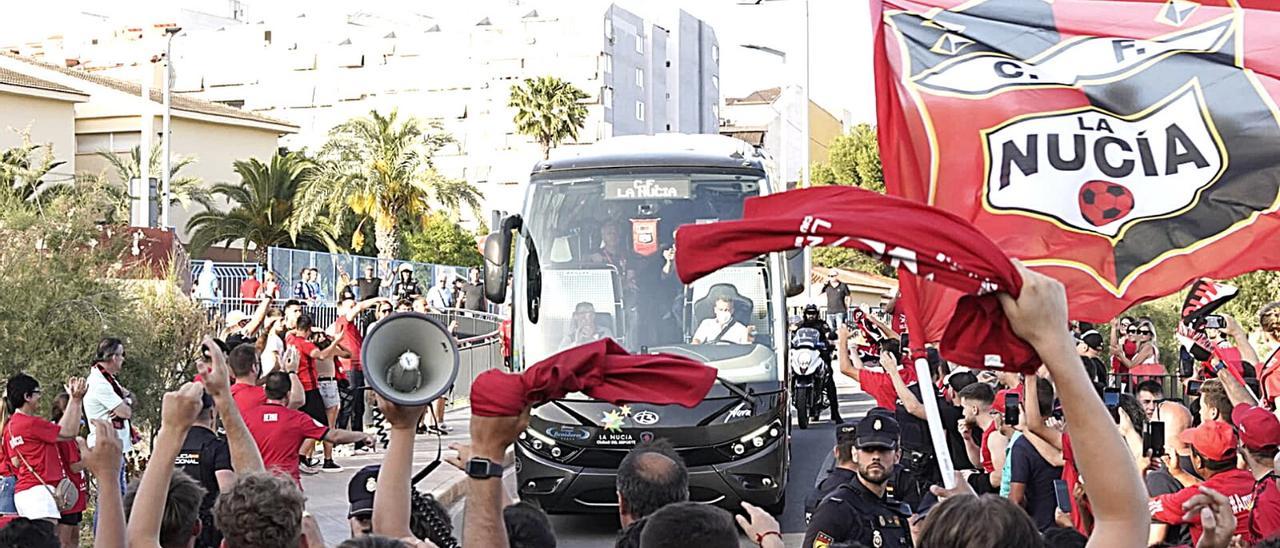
column 409, row 359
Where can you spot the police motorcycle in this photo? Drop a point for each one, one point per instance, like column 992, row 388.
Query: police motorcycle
column 809, row 373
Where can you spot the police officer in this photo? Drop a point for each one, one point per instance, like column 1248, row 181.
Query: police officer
column 861, row 511
column 206, row 457
column 812, row 321
column 843, row 470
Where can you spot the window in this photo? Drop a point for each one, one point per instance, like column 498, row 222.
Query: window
column 639, row 44
column 606, row 63
column 640, row 110
column 715, row 82
column 639, row 77
column 608, row 29
column 606, row 97
column 715, row 53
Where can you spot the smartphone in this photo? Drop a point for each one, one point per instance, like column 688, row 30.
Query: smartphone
column 1011, row 409
column 1153, row 439
column 1064, row 497
column 1215, row 321
column 1193, row 388
column 1111, row 397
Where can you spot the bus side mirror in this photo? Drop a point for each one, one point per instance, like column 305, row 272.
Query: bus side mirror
column 794, row 266
column 497, row 259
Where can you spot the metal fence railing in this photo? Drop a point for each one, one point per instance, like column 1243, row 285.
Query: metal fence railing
column 288, row 264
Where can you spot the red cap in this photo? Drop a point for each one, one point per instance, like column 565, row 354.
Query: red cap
column 1214, row 440
column 998, row 405
column 1258, row 427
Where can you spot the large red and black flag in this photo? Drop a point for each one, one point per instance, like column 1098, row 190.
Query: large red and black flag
column 1124, row 147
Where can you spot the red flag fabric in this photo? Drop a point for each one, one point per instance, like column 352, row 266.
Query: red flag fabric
column 933, row 244
column 601, row 369
column 1124, row 151
column 928, row 307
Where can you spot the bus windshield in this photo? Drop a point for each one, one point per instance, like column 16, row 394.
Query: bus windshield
column 605, row 249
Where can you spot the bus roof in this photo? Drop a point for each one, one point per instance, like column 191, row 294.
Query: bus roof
column 666, row 149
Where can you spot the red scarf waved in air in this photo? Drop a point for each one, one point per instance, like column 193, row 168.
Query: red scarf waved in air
column 932, row 244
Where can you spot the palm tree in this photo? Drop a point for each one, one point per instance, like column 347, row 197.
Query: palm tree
column 184, row 191
column 548, row 110
column 263, row 209
column 23, row 169
column 379, row 168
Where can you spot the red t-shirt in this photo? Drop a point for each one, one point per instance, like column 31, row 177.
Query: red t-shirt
column 5, row 468
column 69, row 452
column 1265, row 517
column 350, row 339
column 279, row 433
column 1236, row 485
column 1270, row 380
column 249, row 290
column 1130, row 349
column 878, row 386
column 247, row 396
column 986, row 448
column 306, row 363
column 36, row 440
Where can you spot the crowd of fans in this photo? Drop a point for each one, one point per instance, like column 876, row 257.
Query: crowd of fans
column 1064, row 457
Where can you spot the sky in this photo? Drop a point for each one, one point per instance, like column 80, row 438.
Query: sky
column 840, row 72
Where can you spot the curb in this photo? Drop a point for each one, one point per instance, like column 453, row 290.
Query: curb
column 454, row 490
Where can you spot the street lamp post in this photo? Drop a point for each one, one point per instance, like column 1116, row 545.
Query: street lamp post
column 166, row 136
column 804, row 124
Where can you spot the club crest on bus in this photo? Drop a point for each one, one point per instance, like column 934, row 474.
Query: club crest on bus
column 1098, row 172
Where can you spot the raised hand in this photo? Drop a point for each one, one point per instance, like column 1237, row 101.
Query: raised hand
column 180, row 408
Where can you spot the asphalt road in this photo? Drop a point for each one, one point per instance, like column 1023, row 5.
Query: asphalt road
column 808, row 449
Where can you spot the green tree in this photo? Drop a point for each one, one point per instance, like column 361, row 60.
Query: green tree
column 379, row 168
column 855, row 159
column 184, row 191
column 1256, row 290
column 440, row 240
column 66, row 287
column 821, row 174
column 264, row 210
column 25, row 169
column 548, row 109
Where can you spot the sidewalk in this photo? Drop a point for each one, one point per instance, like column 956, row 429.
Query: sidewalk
column 327, row 492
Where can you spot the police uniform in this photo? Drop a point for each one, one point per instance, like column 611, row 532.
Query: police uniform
column 853, row 513
column 204, row 453
column 835, row 475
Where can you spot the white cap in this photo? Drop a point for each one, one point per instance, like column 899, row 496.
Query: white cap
column 236, row 316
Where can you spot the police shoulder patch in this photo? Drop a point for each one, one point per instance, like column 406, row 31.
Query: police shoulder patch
column 823, row 540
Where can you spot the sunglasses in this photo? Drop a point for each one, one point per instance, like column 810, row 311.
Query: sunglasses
column 1142, row 332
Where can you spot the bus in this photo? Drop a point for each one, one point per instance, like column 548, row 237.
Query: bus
column 591, row 256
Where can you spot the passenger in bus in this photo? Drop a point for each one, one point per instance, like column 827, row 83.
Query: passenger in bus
column 583, row 327
column 722, row 328
column 611, row 250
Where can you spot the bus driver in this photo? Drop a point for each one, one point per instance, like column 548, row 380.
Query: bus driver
column 722, row 328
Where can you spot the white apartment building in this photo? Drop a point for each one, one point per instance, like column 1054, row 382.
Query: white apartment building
column 318, row 68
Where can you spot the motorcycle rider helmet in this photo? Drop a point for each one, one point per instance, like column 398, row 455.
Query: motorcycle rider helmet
column 811, row 312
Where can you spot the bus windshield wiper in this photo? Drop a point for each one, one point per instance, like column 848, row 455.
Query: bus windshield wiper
column 736, row 389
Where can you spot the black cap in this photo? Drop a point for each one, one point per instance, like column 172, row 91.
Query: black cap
column 846, row 433
column 877, row 432
column 1092, row 339
column 360, row 491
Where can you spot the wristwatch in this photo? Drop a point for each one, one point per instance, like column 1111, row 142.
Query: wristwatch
column 1218, row 366
column 480, row 468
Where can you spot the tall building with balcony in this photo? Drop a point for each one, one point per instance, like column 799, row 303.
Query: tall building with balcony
column 320, row 67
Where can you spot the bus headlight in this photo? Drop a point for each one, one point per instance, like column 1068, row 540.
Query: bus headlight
column 545, row 447
column 754, row 441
